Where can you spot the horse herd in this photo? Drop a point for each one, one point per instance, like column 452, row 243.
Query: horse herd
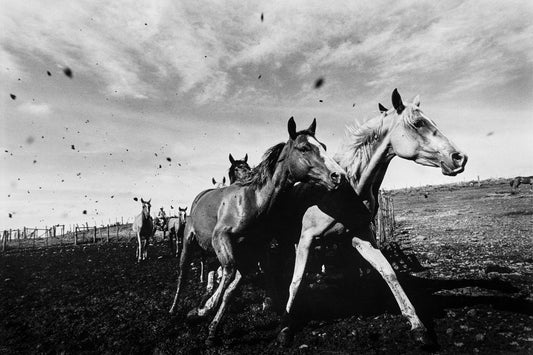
column 298, row 193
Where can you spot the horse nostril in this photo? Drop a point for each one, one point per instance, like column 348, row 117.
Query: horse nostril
column 336, row 177
column 458, row 158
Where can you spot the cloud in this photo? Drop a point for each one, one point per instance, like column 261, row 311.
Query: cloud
column 35, row 109
column 207, row 51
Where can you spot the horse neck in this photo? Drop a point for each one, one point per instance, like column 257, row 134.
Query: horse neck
column 366, row 173
column 266, row 195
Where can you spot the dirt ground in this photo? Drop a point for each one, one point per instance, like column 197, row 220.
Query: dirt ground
column 464, row 256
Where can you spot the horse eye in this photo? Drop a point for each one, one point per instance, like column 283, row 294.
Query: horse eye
column 419, row 123
column 304, row 148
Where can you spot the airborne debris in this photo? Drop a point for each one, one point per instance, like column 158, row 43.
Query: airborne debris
column 168, row 159
column 84, row 212
column 10, row 215
column 13, row 96
column 319, row 82
column 320, row 100
column 490, row 133
column 135, row 199
column 48, row 72
column 259, row 77
column 262, row 17
column 72, row 147
column 68, row 72
column 30, row 140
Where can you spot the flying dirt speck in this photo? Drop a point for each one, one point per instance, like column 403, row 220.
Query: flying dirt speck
column 319, row 82
column 168, row 159
column 30, row 140
column 13, row 96
column 48, row 72
column 262, row 17
column 160, row 166
column 72, row 147
column 10, row 215
column 320, row 100
column 112, row 196
column 68, row 72
column 135, row 199
column 490, row 134
column 84, row 212
column 34, row 161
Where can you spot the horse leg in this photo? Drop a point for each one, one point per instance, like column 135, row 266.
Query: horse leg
column 302, row 254
column 213, row 327
column 202, row 271
column 182, row 270
column 380, row 263
column 230, row 278
column 213, row 301
column 209, row 288
column 139, row 247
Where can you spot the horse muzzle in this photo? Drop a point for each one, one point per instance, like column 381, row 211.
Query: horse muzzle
column 456, row 166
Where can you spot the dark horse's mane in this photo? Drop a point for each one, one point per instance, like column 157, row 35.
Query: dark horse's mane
column 264, row 171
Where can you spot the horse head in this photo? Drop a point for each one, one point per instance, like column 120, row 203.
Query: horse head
column 219, row 184
column 146, row 205
column 239, row 169
column 307, row 159
column 416, row 137
column 182, row 214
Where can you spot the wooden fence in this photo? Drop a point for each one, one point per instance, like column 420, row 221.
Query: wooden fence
column 384, row 221
column 32, row 238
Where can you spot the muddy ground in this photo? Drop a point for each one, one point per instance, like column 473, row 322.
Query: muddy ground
column 464, row 256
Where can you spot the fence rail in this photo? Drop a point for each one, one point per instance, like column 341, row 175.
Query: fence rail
column 33, row 238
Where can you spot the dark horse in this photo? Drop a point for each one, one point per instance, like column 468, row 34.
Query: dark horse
column 143, row 227
column 520, row 180
column 231, row 220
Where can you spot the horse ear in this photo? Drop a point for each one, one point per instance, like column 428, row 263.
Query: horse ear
column 416, row 101
column 397, row 101
column 150, row 200
column 213, row 181
column 292, row 128
column 185, row 209
column 246, row 158
column 142, row 200
column 231, row 160
column 312, row 127
column 382, row 108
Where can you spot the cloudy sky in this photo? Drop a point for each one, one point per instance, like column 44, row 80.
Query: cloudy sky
column 193, row 81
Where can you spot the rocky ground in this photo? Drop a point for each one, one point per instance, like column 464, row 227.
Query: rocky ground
column 463, row 254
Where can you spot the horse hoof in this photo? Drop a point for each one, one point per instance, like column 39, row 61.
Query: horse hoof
column 426, row 341
column 285, row 337
column 193, row 316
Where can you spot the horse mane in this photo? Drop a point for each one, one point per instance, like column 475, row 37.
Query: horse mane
column 359, row 145
column 264, row 171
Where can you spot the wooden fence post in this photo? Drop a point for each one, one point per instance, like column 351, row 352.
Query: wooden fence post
column 76, row 235
column 107, row 240
column 4, row 241
column 94, row 236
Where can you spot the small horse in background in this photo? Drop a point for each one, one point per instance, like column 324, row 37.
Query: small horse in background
column 239, row 169
column 517, row 181
column 219, row 184
column 176, row 225
column 143, row 226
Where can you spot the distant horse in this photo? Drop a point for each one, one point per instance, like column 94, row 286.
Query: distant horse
column 143, row 226
column 239, row 169
column 403, row 131
column 175, row 226
column 230, row 221
column 517, row 181
column 219, row 184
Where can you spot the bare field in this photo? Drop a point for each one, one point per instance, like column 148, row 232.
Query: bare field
column 464, row 256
